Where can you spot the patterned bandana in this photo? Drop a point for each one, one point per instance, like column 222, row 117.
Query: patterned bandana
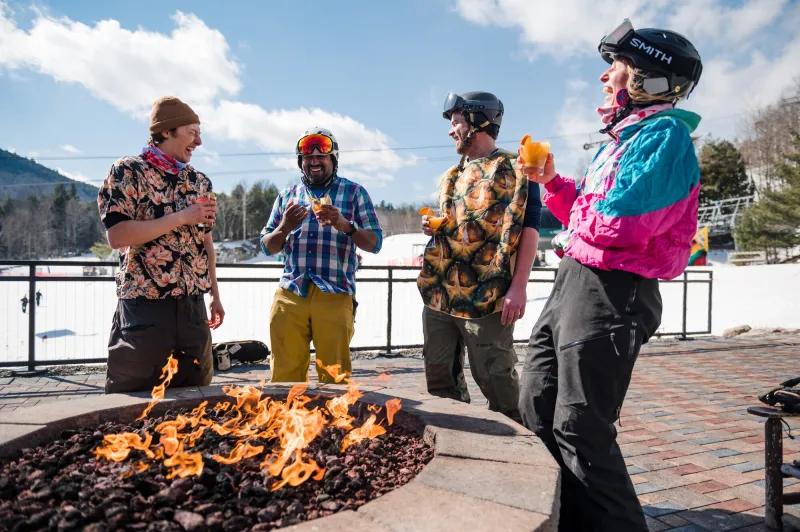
column 162, row 161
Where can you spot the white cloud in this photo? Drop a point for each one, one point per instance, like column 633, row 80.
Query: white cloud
column 728, row 89
column 278, row 130
column 573, row 122
column 69, row 148
column 721, row 21
column 567, row 27
column 749, row 48
column 128, row 69
column 208, row 156
column 575, row 27
column 577, row 84
column 11, row 149
column 74, row 176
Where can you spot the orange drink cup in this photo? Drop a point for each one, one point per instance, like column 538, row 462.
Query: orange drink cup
column 535, row 153
column 434, row 221
column 316, row 205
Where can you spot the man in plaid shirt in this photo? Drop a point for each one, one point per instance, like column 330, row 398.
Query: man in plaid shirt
column 316, row 226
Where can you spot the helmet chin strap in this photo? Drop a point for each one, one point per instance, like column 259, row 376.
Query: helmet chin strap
column 623, row 110
column 466, row 143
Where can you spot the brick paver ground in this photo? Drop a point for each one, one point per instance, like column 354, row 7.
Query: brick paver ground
column 695, row 456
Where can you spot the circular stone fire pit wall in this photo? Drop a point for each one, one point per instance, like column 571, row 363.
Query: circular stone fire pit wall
column 486, row 469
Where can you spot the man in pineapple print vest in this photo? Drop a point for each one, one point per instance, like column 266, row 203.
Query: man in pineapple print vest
column 475, row 268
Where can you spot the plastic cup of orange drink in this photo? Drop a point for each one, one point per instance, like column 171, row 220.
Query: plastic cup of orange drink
column 435, row 218
column 316, row 205
column 535, row 153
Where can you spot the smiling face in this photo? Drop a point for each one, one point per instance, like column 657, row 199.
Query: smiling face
column 181, row 144
column 614, row 79
column 459, row 128
column 318, row 168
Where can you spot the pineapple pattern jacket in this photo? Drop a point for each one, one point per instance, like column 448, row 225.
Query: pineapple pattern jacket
column 468, row 264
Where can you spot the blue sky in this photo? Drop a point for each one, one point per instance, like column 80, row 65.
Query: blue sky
column 77, row 77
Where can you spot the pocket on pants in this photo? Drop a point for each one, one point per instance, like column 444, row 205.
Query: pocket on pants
column 601, row 366
column 134, row 320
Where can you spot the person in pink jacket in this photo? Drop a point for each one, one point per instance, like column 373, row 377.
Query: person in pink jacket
column 630, row 221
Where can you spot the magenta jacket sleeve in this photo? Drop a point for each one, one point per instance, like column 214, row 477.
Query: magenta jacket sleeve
column 560, row 194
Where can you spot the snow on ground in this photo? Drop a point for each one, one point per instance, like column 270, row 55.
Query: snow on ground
column 74, row 318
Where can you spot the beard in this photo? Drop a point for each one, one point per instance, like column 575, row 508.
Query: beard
column 462, row 146
column 319, row 179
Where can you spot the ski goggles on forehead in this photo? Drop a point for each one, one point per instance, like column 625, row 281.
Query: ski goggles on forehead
column 322, row 143
column 451, row 104
column 617, row 35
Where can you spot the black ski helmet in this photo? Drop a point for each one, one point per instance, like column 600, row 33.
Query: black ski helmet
column 670, row 65
column 481, row 110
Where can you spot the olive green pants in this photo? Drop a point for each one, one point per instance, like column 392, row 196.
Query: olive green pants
column 490, row 350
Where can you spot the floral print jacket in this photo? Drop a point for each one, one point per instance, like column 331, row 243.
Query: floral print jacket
column 174, row 264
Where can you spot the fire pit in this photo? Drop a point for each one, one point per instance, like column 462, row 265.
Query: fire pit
column 95, row 467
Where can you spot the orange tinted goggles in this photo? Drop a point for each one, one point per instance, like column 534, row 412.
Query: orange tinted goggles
column 321, row 143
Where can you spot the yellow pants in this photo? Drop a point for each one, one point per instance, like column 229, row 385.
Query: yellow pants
column 294, row 322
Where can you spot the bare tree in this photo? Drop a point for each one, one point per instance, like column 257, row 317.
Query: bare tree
column 768, row 138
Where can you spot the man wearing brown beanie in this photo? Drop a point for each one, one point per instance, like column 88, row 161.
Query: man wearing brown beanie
column 158, row 212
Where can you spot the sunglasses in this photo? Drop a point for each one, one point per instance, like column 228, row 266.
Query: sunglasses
column 323, row 144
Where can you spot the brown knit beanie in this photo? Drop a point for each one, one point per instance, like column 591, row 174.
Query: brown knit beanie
column 169, row 112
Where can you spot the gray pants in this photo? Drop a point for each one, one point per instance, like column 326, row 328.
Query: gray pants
column 490, row 347
column 577, row 369
column 144, row 333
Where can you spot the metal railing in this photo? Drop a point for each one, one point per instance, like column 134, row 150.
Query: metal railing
column 399, row 303
column 722, row 216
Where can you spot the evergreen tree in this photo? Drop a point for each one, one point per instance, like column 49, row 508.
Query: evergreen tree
column 774, row 222
column 722, row 172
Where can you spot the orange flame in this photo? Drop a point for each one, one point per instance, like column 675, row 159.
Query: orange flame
column 298, row 472
column 339, row 406
column 167, row 372
column 368, row 430
column 138, row 467
column 185, row 465
column 297, row 390
column 392, row 406
column 334, row 371
column 240, row 452
column 119, row 446
column 249, row 416
column 222, row 406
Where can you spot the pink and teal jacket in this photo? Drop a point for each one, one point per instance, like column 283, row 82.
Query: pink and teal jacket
column 635, row 209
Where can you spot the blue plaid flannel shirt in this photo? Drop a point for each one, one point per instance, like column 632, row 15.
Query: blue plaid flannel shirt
column 318, row 253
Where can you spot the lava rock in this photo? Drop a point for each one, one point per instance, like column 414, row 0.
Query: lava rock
column 269, row 514
column 117, row 516
column 169, row 497
column 163, row 526
column 190, row 521
column 236, row 523
column 208, row 508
